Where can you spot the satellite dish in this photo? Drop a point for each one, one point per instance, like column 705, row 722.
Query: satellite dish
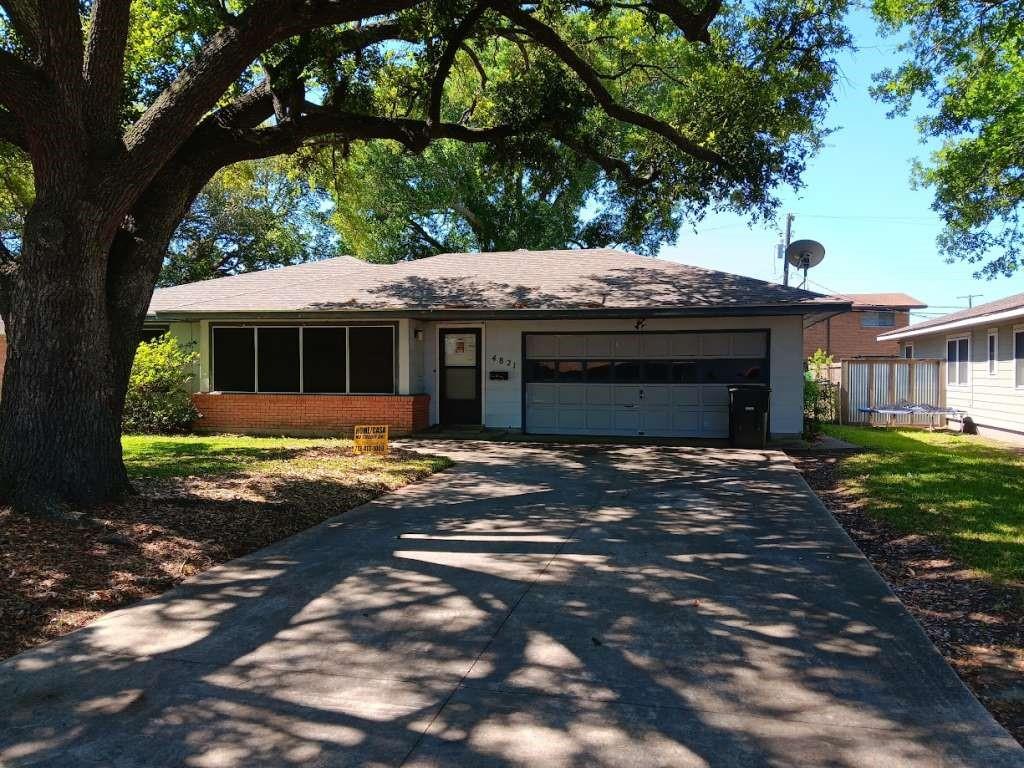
column 804, row 254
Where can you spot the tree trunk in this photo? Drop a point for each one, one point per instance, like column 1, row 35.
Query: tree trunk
column 68, row 360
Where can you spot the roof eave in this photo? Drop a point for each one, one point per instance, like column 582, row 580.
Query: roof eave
column 993, row 317
column 508, row 314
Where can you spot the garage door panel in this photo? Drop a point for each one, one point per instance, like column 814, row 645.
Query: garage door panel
column 656, row 421
column 655, row 345
column 627, row 422
column 685, row 395
column 572, row 419
column 685, row 345
column 541, row 394
column 542, row 417
column 599, row 420
column 715, row 422
column 599, row 345
column 572, row 346
column 715, row 344
column 753, row 344
column 656, row 395
column 714, row 394
column 541, row 345
column 627, row 395
column 572, row 394
column 626, row 345
column 599, row 394
column 686, row 421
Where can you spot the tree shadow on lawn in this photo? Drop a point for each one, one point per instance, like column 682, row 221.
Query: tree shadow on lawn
column 562, row 608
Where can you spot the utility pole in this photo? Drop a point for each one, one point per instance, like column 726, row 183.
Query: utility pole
column 970, row 298
column 785, row 247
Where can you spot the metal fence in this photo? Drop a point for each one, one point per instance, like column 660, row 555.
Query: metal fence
column 876, row 382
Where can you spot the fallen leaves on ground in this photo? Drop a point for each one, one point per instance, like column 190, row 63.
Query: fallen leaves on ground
column 56, row 577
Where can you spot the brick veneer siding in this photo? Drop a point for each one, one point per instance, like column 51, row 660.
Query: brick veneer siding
column 310, row 414
column 843, row 337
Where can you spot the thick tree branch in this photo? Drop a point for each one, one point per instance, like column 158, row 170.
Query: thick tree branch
column 104, row 63
column 546, row 36
column 444, row 64
column 173, row 115
column 23, row 87
column 613, row 166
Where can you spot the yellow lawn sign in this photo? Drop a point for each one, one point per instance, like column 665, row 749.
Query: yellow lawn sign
column 371, row 438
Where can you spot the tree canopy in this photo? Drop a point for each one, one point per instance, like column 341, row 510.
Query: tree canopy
column 125, row 109
column 965, row 60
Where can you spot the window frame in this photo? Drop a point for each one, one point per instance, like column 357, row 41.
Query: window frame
column 908, row 351
column 957, row 339
column 992, row 352
column 302, row 383
column 878, row 313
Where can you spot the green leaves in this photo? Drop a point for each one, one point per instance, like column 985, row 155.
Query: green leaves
column 157, row 400
column 966, row 61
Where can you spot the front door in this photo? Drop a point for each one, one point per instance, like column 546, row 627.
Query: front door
column 461, row 401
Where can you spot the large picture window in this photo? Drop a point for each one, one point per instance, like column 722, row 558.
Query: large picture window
column 312, row 359
column 958, row 361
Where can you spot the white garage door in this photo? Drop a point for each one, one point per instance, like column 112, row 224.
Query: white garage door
column 649, row 383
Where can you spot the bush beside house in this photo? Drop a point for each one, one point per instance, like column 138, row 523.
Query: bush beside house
column 158, row 400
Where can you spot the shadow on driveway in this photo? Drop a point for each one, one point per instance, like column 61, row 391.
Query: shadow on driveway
column 536, row 605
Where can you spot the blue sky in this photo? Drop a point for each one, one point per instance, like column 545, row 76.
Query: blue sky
column 878, row 233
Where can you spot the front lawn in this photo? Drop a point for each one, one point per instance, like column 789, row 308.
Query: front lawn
column 966, row 491
column 201, row 501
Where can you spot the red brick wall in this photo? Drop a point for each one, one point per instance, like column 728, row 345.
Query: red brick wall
column 310, row 414
column 843, row 337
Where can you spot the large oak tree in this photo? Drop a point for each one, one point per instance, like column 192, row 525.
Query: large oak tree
column 126, row 109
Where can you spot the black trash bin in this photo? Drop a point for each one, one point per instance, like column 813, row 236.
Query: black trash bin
column 748, row 415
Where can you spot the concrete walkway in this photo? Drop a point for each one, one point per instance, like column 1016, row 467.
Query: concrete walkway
column 534, row 606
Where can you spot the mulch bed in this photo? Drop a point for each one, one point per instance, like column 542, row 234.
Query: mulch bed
column 55, row 577
column 976, row 624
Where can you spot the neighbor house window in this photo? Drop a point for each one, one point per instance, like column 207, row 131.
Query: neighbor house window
column 958, row 361
column 908, row 351
column 878, row 319
column 1018, row 357
column 993, row 352
column 311, row 359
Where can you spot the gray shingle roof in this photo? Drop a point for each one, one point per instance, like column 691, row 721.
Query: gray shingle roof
column 594, row 279
column 980, row 312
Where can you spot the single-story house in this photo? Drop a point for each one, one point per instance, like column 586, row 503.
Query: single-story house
column 588, row 342
column 984, row 352
column 855, row 334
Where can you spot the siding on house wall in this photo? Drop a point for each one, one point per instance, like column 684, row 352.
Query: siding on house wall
column 843, row 337
column 503, row 339
column 991, row 400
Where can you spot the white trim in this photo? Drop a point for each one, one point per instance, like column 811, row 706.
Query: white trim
column 995, row 317
column 992, row 352
column 958, row 339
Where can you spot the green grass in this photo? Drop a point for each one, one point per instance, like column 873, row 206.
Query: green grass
column 965, row 490
column 218, row 455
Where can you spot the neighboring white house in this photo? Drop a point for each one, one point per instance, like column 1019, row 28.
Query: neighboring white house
column 589, row 342
column 984, row 352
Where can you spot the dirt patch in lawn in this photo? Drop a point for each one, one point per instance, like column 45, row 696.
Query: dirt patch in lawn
column 976, row 624
column 56, row 577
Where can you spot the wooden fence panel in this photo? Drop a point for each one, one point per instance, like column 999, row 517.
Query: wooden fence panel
column 880, row 382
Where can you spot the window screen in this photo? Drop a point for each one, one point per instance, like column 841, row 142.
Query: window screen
column 1018, row 357
column 878, row 319
column 234, row 368
column 371, row 360
column 323, row 360
column 963, row 360
column 992, row 344
column 277, row 350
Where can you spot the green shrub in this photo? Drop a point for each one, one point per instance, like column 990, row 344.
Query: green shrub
column 158, row 400
column 820, row 395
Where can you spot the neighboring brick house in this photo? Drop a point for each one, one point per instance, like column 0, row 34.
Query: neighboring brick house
column 855, row 333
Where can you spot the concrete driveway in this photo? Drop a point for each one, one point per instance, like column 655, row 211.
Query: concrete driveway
column 535, row 606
